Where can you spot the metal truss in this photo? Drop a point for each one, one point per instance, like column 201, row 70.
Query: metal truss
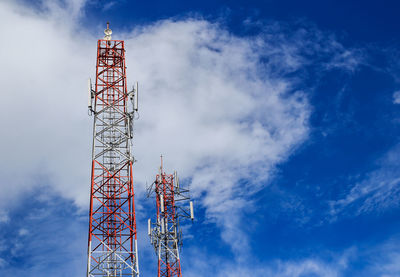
column 166, row 234
column 112, row 243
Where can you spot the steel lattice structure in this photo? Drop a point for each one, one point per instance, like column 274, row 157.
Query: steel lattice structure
column 112, row 243
column 165, row 234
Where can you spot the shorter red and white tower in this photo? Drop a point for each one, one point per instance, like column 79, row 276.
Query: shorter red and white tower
column 166, row 234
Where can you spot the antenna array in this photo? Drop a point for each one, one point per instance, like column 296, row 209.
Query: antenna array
column 165, row 233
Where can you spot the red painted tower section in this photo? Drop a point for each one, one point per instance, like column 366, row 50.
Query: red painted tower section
column 166, row 235
column 112, row 243
column 168, row 262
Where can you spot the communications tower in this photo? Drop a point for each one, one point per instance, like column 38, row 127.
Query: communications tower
column 112, row 242
column 165, row 234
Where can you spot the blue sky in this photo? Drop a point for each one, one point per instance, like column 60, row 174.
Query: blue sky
column 282, row 117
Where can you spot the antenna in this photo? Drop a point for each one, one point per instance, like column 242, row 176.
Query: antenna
column 162, row 202
column 191, row 211
column 134, row 96
column 162, row 226
column 90, row 94
column 136, row 99
column 107, row 32
column 161, row 167
column 176, row 179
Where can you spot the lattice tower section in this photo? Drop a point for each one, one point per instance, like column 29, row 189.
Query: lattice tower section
column 165, row 234
column 112, row 243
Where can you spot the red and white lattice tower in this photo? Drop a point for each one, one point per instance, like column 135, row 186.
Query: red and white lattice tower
column 112, row 243
column 165, row 234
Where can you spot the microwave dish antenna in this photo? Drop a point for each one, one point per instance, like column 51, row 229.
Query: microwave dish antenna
column 107, row 32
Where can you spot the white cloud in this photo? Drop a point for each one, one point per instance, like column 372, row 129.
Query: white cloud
column 306, row 268
column 44, row 115
column 4, row 216
column 109, row 5
column 203, row 265
column 380, row 260
column 396, row 97
column 23, row 232
column 66, row 11
column 389, row 267
column 3, row 263
column 207, row 106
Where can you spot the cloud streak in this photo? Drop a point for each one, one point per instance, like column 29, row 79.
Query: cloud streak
column 334, row 265
column 396, row 97
column 377, row 192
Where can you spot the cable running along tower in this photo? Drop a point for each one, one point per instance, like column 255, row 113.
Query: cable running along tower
column 112, row 243
column 165, row 234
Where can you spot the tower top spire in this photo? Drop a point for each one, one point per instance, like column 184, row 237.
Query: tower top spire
column 107, row 32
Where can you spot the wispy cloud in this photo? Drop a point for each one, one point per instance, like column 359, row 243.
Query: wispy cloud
column 396, row 97
column 386, row 260
column 43, row 238
column 4, row 216
column 378, row 191
column 333, row 265
column 3, row 263
column 109, row 5
column 381, row 259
